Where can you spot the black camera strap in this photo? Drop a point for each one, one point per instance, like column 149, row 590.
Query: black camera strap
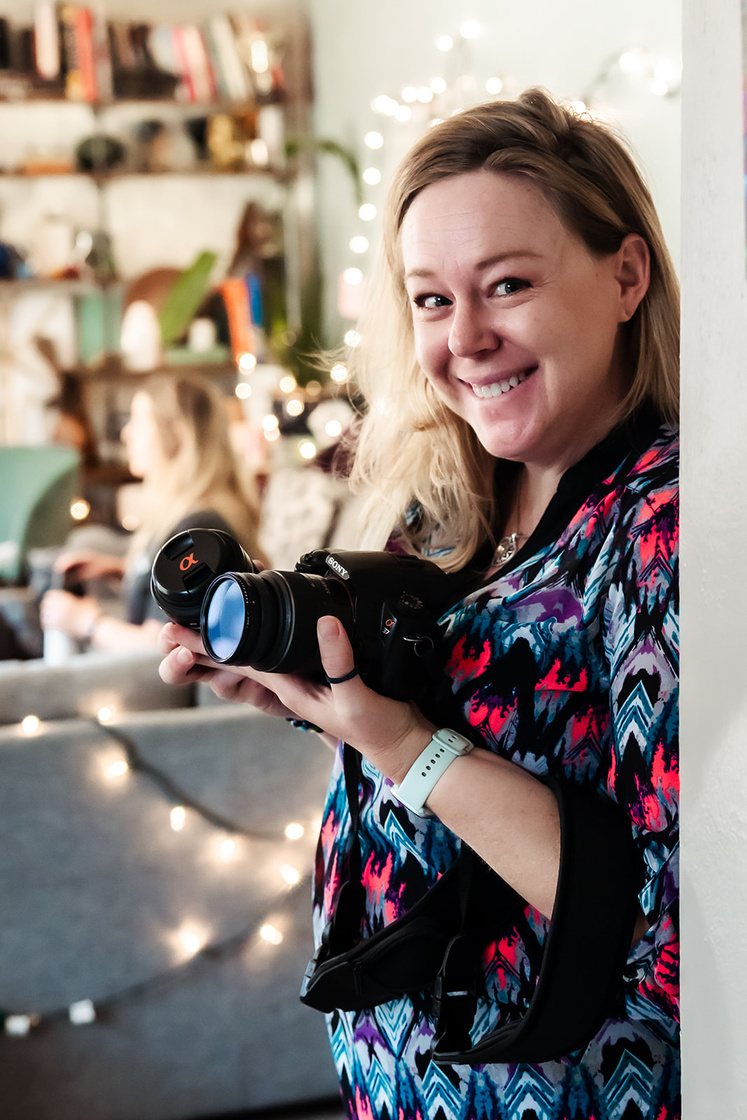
column 435, row 949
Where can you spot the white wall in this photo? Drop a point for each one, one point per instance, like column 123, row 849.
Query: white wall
column 714, row 532
column 362, row 50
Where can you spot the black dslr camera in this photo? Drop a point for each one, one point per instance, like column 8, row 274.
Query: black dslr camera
column 388, row 604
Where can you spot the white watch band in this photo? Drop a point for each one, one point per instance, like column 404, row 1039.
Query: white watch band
column 444, row 747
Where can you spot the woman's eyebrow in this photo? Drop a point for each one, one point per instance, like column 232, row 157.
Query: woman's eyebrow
column 497, row 258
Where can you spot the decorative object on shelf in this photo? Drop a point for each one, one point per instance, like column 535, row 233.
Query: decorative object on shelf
column 13, row 264
column 100, row 153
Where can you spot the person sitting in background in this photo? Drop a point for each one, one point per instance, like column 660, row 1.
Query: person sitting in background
column 177, row 440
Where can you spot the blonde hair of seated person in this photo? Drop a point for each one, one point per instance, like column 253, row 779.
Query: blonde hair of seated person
column 194, row 466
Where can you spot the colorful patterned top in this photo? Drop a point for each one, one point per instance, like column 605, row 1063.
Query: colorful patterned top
column 595, row 594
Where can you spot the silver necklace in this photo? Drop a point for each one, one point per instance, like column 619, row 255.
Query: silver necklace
column 509, row 545
column 507, row 548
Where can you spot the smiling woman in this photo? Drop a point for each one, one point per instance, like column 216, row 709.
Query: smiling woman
column 516, row 323
column 496, row 889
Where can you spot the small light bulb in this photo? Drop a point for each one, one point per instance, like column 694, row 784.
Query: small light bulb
column 80, row 510
column 372, row 176
column 313, row 388
column 578, row 107
column 444, row 43
column 470, row 29
column 438, row 85
column 18, row 1025
column 104, row 715
column 339, row 373
column 117, row 769
column 82, row 1012
column 294, row 407
column 294, row 831
column 403, row 114
column 409, row 94
column 333, row 428
column 259, row 152
column 287, row 383
column 243, row 391
column 291, row 874
column 259, row 55
column 630, row 61
column 190, row 940
column 30, row 725
column 272, row 436
column 358, row 244
column 367, row 212
column 227, row 849
column 425, row 95
column 178, row 818
column 373, row 140
column 353, row 276
column 271, row 933
column 270, row 422
column 307, row 449
column 352, row 338
column 385, row 105
column 247, row 362
column 494, row 86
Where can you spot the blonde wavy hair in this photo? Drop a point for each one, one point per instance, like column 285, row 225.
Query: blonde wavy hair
column 412, row 452
column 199, row 469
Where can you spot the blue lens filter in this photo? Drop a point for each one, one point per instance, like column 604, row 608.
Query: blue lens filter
column 226, row 619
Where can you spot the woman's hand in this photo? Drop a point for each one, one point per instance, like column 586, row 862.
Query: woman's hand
column 389, row 733
column 74, row 615
column 186, row 662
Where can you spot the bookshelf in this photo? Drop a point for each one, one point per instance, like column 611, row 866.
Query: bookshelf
column 159, row 154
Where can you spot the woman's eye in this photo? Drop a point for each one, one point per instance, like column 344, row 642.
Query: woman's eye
column 510, row 286
column 431, row 302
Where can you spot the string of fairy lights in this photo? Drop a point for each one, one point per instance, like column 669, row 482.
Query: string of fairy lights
column 119, row 757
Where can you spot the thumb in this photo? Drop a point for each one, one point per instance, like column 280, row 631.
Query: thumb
column 336, row 651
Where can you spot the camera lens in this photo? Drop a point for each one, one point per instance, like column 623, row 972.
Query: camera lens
column 268, row 619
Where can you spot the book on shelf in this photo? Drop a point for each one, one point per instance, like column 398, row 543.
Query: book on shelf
column 77, row 52
column 231, row 72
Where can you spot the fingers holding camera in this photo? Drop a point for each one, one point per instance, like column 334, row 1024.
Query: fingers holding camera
column 186, row 662
column 390, row 733
column 184, row 659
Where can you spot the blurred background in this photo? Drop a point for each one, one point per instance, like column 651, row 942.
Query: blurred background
column 193, row 190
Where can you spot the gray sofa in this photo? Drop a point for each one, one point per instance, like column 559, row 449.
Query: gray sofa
column 86, row 683
column 97, row 888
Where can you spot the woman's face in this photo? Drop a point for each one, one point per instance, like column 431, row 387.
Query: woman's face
column 516, row 323
column 141, row 437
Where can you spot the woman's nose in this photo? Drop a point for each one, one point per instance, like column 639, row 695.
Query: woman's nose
column 471, row 331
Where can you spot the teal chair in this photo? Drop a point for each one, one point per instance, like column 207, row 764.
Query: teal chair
column 37, row 487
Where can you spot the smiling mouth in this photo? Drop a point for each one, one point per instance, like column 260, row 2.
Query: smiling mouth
column 497, row 388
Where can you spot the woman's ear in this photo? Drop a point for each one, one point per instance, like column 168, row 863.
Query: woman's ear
column 632, row 274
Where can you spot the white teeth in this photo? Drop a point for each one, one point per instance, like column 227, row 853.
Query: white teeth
column 498, row 387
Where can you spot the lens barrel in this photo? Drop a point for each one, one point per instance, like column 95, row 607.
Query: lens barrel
column 268, row 619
